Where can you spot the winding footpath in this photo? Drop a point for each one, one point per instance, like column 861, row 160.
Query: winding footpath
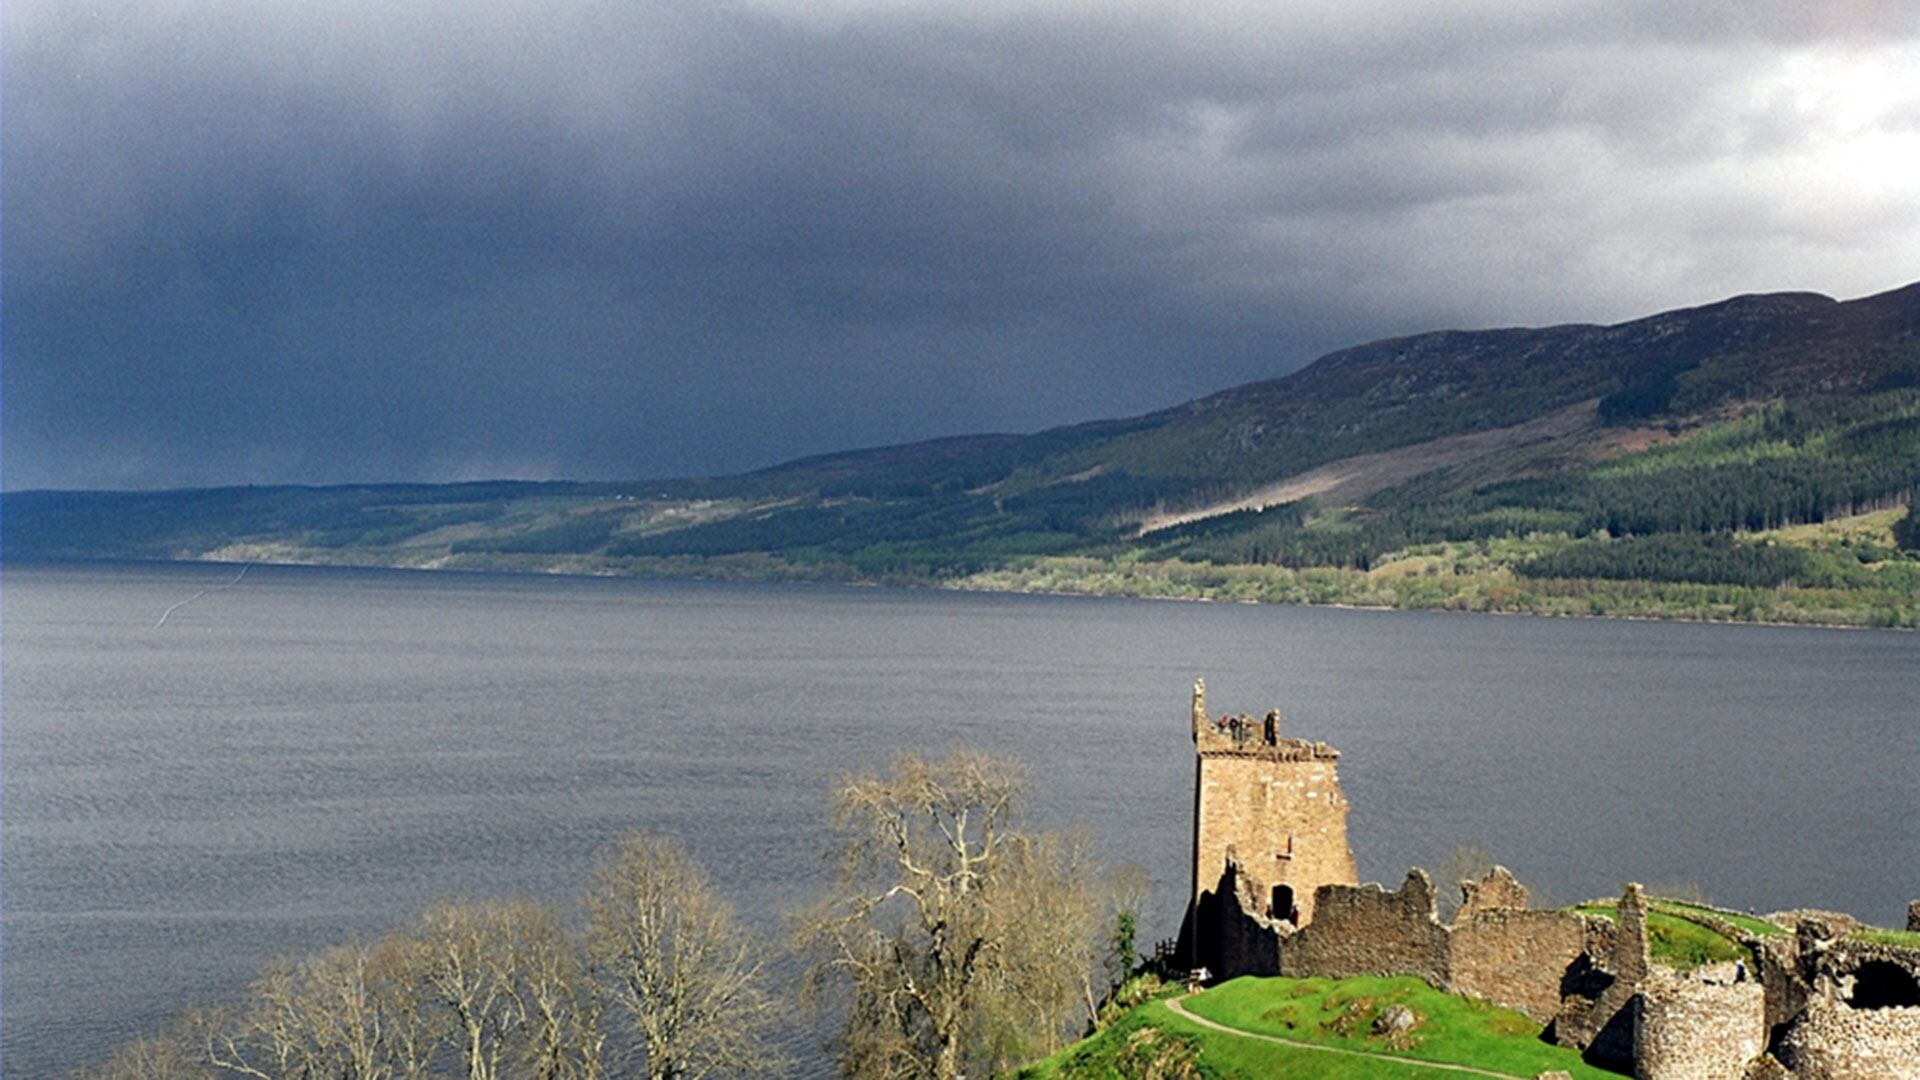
column 1412, row 1063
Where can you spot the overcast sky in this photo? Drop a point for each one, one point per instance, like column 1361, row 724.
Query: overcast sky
column 257, row 241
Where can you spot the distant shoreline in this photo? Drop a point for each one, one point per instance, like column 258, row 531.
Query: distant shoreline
column 791, row 574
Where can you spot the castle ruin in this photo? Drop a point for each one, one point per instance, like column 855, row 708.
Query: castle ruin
column 1275, row 892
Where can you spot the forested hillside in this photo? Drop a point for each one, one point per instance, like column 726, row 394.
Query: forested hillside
column 1748, row 459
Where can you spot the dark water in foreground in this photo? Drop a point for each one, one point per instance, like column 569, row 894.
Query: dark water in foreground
column 311, row 754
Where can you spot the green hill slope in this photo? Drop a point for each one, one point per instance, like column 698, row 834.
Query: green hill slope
column 1313, row 1028
column 1747, row 459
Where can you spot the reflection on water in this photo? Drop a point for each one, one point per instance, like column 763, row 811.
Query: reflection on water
column 311, row 754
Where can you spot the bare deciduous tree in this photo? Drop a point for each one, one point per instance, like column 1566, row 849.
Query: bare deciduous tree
column 502, row 970
column 1467, row 862
column 171, row 1055
column 556, row 1004
column 351, row 1012
column 414, row 1035
column 687, row 979
column 501, row 989
column 959, row 940
column 1047, row 966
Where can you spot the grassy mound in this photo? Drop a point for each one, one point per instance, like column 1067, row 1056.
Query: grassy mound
column 1752, row 924
column 1152, row 1040
column 1676, row 941
column 1905, row 939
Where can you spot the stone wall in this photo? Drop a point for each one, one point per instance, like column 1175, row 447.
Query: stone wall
column 1913, row 917
column 1699, row 1028
column 1498, row 891
column 1831, row 1041
column 1517, row 959
column 1234, row 938
column 1777, row 967
column 1835, row 923
column 1776, row 962
column 1505, row 954
column 1366, row 930
column 1603, row 936
column 1840, row 959
column 1601, row 1015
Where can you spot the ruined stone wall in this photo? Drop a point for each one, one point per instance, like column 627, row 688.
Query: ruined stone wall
column 1777, row 967
column 1830, row 923
column 1517, row 959
column 1698, row 1028
column 1234, row 938
column 1632, row 955
column 1846, row 956
column 1831, row 1041
column 1500, row 951
column 1775, row 962
column 1366, row 930
column 1499, row 890
column 1601, row 1016
column 1603, row 936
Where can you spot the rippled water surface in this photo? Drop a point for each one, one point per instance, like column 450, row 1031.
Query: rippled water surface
column 310, row 754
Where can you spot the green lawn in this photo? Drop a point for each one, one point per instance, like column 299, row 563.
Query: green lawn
column 1326, row 1012
column 1907, row 939
column 1677, row 942
column 1754, row 925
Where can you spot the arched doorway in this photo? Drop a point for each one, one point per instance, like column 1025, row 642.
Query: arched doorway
column 1878, row 984
column 1283, row 904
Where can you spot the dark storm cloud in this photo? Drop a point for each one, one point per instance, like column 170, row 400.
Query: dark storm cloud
column 251, row 241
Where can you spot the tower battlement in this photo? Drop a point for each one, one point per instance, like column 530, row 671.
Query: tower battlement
column 1243, row 736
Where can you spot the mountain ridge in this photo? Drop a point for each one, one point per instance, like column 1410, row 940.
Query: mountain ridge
column 1659, row 448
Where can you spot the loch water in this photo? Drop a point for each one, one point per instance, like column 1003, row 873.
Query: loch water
column 296, row 756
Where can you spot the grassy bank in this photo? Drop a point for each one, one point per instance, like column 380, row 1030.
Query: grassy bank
column 1471, row 576
column 1676, row 941
column 1334, row 1015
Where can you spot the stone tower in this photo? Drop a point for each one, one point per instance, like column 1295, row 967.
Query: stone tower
column 1272, row 806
